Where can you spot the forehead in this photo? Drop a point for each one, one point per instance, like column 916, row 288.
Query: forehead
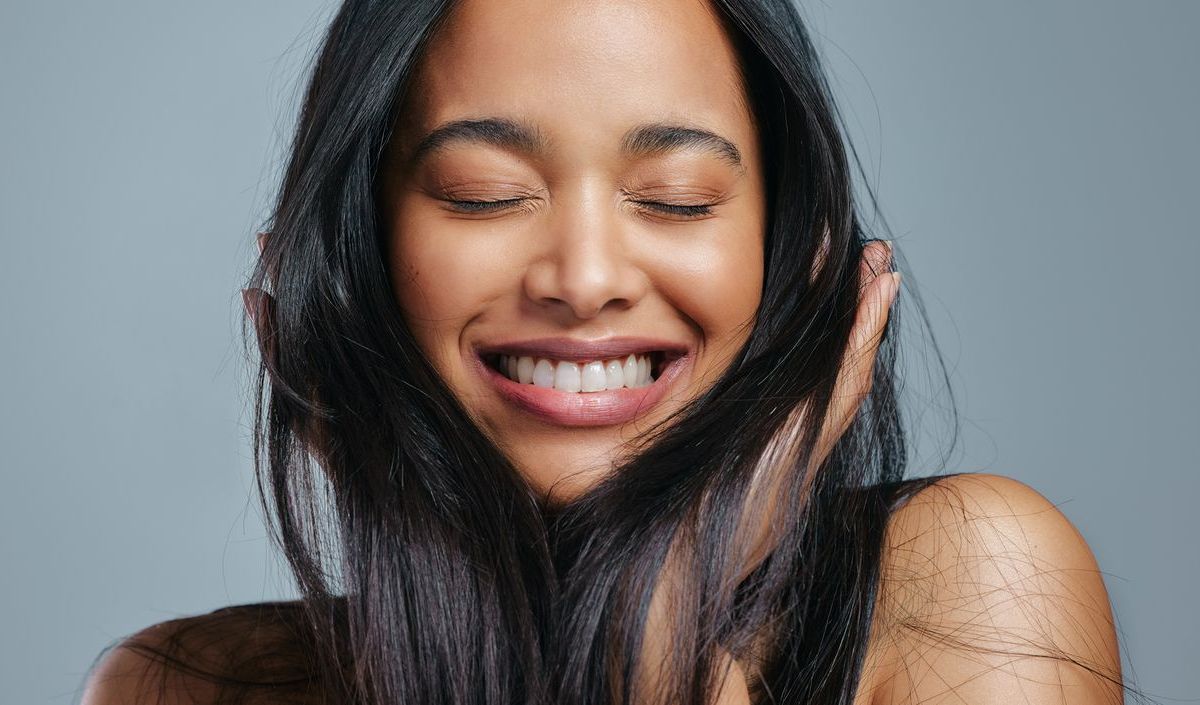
column 584, row 70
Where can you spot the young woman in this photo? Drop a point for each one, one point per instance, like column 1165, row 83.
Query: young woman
column 579, row 387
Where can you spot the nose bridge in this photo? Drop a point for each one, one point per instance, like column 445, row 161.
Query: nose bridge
column 586, row 264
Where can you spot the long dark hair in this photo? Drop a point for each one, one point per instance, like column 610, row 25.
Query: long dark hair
column 430, row 571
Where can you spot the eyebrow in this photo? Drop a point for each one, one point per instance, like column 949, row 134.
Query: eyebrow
column 641, row 140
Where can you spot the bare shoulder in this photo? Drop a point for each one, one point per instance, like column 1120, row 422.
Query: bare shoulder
column 989, row 594
column 130, row 673
column 250, row 652
column 140, row 669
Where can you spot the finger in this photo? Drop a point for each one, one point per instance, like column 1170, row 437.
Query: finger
column 849, row 389
column 878, row 289
column 876, row 260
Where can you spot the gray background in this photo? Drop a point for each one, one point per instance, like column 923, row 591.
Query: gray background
column 1036, row 161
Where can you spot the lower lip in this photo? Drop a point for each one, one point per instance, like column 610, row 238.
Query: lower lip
column 609, row 407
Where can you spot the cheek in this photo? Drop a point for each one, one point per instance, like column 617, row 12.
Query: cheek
column 440, row 279
column 718, row 284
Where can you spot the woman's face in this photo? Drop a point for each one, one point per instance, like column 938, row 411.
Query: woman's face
column 619, row 143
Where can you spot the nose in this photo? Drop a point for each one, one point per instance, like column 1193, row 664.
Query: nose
column 585, row 264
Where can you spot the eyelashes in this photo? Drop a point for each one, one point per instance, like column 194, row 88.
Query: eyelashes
column 483, row 206
column 673, row 209
column 502, row 204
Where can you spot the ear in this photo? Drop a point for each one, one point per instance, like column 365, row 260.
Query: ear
column 262, row 242
column 260, row 307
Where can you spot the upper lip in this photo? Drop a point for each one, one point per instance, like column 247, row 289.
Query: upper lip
column 575, row 350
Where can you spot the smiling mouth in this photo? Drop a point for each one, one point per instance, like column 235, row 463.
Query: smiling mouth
column 552, row 391
column 607, row 374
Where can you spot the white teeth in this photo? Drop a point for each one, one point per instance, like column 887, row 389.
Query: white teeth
column 543, row 374
column 614, row 374
column 593, row 376
column 566, row 377
column 524, row 370
column 631, row 371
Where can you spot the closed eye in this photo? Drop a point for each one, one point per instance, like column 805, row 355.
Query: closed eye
column 674, row 209
column 483, row 206
column 668, row 208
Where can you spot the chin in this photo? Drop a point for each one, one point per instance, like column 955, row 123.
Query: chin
column 562, row 478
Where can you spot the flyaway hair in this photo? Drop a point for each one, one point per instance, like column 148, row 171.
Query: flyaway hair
column 431, row 573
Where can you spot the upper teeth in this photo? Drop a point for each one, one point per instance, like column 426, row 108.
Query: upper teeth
column 595, row 376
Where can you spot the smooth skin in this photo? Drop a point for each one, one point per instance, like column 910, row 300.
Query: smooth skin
column 591, row 245
column 584, row 249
